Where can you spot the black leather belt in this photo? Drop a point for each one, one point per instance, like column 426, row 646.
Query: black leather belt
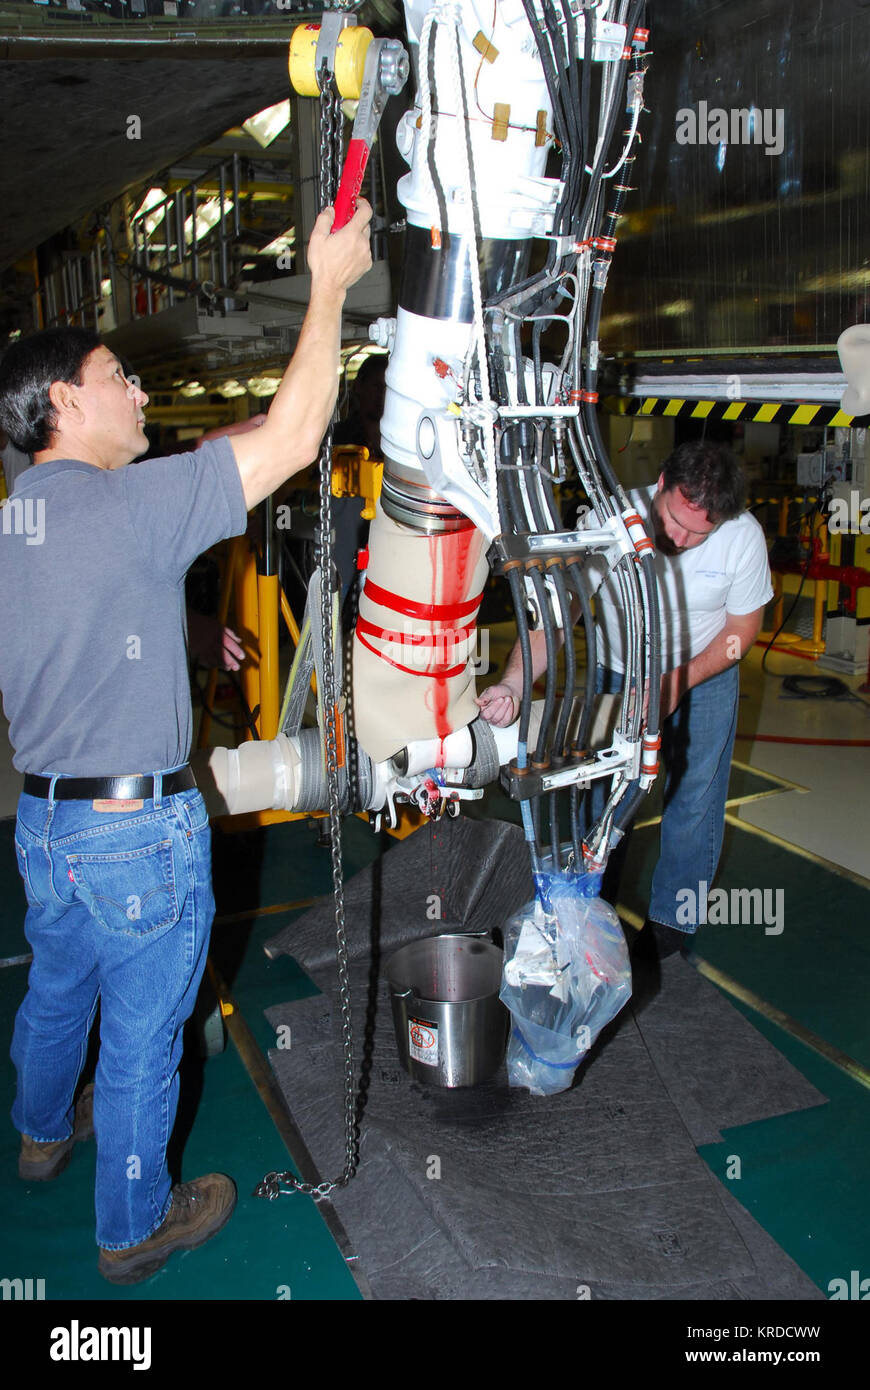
column 109, row 788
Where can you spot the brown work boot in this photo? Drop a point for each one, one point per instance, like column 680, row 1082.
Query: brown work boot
column 42, row 1162
column 199, row 1210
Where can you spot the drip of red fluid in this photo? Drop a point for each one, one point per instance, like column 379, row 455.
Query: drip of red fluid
column 450, row 560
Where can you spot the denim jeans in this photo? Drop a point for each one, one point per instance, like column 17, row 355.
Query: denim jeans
column 120, row 908
column 697, row 742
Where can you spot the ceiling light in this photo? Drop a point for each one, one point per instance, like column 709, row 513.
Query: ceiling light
column 232, row 388
column 207, row 214
column 155, row 198
column 281, row 243
column 193, row 388
column 267, row 124
column 263, row 385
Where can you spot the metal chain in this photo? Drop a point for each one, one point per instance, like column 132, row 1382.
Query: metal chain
column 330, row 163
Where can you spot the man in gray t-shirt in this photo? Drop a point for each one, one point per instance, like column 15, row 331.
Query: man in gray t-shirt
column 112, row 837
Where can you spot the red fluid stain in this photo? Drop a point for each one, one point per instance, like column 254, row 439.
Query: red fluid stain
column 451, row 561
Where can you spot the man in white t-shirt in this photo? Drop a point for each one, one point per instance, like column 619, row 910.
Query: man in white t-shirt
column 713, row 581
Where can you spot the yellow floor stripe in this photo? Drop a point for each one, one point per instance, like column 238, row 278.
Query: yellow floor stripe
column 264, row 911
column 270, row 1093
column 840, row 1059
column 782, row 782
column 789, row 1025
column 796, row 849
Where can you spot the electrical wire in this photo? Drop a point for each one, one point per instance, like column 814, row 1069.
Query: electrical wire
column 812, row 514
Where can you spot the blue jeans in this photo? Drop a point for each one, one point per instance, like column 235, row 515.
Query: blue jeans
column 120, row 908
column 697, row 742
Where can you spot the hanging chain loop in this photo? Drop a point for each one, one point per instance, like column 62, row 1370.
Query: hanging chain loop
column 274, row 1184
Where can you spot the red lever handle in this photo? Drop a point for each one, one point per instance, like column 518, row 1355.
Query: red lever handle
column 350, row 183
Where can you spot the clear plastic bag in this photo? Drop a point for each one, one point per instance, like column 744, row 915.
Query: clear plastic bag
column 566, row 975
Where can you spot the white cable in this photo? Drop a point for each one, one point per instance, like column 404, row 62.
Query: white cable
column 426, row 115
column 448, row 13
column 637, row 108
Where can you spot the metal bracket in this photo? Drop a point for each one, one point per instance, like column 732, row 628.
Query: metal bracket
column 331, row 25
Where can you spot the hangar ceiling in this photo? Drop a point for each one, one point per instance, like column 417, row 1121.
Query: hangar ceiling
column 64, row 123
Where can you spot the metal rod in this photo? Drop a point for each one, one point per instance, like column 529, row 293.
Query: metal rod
column 135, row 230
column 223, row 230
column 194, row 260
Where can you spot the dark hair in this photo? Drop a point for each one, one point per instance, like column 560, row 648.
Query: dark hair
column 371, row 367
column 708, row 476
column 27, row 370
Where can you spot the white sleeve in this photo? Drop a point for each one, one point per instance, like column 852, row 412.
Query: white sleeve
column 748, row 563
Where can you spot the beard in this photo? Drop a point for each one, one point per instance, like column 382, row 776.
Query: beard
column 662, row 540
column 665, row 545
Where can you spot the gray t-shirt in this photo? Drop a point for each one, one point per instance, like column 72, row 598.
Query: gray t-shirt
column 93, row 662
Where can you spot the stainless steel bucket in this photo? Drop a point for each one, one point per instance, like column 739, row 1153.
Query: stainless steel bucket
column 451, row 1026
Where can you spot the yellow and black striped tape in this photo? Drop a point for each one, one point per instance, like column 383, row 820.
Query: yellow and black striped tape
column 765, row 412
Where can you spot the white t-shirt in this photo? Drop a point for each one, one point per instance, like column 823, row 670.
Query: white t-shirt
column 727, row 573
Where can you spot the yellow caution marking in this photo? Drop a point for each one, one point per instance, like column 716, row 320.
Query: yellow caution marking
column 804, row 415
column 762, row 411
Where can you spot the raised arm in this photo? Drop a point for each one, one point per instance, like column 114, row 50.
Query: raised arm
column 302, row 405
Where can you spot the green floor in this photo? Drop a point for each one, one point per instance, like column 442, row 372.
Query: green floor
column 803, row 1176
column 270, row 1250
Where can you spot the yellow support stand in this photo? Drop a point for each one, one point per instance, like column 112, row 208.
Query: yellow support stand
column 248, row 617
column 356, row 474
column 267, row 597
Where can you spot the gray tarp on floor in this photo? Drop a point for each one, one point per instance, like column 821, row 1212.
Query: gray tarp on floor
column 599, row 1188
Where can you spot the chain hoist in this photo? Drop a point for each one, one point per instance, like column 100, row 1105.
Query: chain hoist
column 271, row 1186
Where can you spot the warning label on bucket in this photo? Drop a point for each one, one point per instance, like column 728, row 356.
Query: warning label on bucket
column 423, row 1041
